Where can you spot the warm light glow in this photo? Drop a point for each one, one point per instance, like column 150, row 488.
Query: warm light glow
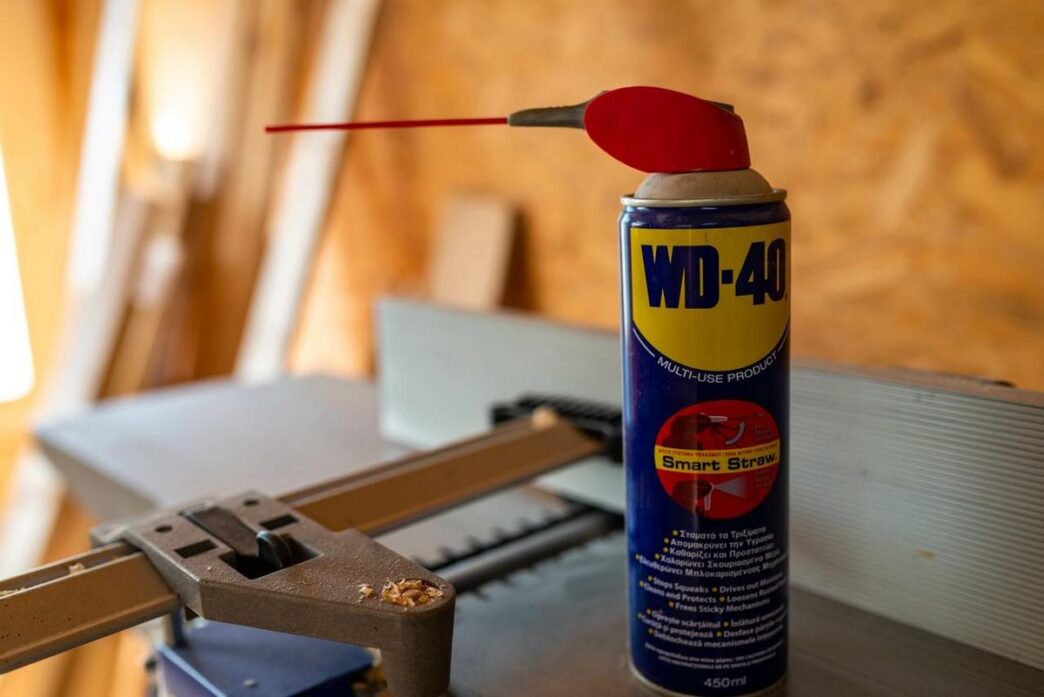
column 182, row 49
column 16, row 357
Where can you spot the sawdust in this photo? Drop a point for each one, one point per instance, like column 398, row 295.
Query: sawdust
column 411, row 592
column 76, row 568
column 544, row 417
column 4, row 594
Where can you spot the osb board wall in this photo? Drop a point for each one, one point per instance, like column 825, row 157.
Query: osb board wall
column 910, row 136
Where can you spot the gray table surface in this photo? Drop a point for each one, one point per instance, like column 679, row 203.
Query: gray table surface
column 560, row 630
column 220, row 438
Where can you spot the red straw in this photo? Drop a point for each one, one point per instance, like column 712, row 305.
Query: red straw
column 361, row 125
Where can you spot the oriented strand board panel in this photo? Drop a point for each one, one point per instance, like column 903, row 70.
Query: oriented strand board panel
column 910, row 136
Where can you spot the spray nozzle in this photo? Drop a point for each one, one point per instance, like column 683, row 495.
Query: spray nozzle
column 649, row 128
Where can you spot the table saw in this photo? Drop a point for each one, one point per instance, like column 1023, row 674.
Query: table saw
column 280, row 512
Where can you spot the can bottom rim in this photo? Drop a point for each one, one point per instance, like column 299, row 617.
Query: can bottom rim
column 658, row 689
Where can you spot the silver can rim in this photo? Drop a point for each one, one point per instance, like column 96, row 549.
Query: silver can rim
column 744, row 200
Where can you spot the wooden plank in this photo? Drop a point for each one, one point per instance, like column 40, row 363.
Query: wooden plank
column 469, row 264
column 114, row 292
column 204, row 147
column 274, row 46
column 304, row 193
column 158, row 271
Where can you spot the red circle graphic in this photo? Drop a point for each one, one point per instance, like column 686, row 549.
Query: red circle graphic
column 718, row 459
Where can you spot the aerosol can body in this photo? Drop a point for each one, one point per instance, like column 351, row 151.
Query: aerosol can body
column 706, row 321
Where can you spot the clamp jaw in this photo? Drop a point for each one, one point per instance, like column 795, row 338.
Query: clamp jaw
column 254, row 561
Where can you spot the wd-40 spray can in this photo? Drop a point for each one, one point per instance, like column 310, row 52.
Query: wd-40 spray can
column 706, row 318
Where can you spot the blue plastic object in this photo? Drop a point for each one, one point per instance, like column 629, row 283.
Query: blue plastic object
column 225, row 660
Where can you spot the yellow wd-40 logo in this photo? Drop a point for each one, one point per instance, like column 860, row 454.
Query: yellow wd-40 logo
column 711, row 299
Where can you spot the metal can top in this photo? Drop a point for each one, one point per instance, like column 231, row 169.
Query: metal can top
column 697, row 189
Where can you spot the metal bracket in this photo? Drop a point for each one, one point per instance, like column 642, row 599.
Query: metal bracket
column 254, row 561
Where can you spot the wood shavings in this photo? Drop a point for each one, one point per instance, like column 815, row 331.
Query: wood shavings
column 409, row 592
column 76, row 568
column 544, row 417
column 366, row 591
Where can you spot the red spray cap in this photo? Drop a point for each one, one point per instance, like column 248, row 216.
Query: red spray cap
column 654, row 129
column 649, row 128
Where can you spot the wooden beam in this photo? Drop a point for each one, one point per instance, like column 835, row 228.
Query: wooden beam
column 304, row 193
column 275, row 46
column 78, row 374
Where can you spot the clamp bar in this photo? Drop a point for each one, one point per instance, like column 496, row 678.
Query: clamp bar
column 420, row 485
column 77, row 600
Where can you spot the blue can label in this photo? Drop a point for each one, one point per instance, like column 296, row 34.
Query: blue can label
column 706, row 316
